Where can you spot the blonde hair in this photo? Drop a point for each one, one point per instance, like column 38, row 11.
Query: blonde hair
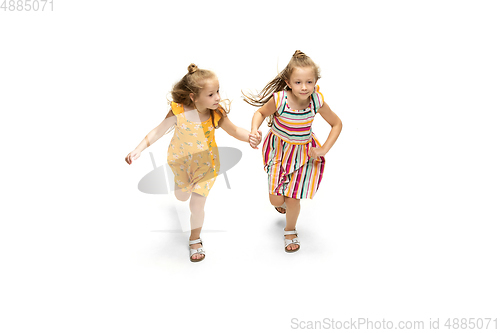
column 192, row 83
column 299, row 59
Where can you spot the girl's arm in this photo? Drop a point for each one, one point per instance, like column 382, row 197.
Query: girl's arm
column 258, row 117
column 334, row 121
column 238, row 132
column 152, row 137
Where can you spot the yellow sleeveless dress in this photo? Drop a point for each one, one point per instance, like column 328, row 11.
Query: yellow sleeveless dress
column 192, row 154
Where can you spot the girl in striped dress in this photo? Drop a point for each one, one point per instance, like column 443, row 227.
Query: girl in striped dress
column 293, row 157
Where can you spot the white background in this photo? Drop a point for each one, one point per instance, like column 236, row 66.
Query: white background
column 404, row 226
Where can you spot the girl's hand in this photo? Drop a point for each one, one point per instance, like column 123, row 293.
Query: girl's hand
column 316, row 152
column 254, row 139
column 132, row 156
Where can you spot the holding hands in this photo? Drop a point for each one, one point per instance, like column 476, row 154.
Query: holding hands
column 254, row 138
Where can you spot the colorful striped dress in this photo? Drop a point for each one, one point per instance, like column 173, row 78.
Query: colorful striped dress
column 290, row 171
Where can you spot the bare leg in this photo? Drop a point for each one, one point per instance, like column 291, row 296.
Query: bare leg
column 180, row 194
column 197, row 206
column 292, row 214
column 277, row 201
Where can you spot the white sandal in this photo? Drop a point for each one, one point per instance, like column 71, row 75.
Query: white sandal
column 196, row 251
column 291, row 241
column 283, row 206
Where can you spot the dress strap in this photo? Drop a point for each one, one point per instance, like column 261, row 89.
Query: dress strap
column 279, row 99
column 177, row 108
column 217, row 117
column 317, row 99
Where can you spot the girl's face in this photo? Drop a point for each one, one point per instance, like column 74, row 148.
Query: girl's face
column 209, row 97
column 302, row 82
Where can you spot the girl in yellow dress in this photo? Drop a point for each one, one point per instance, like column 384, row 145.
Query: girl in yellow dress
column 192, row 154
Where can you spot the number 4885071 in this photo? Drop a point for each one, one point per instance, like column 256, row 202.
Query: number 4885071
column 27, row 5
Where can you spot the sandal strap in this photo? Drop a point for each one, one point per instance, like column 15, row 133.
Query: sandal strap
column 196, row 251
column 195, row 241
column 292, row 241
column 291, row 232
